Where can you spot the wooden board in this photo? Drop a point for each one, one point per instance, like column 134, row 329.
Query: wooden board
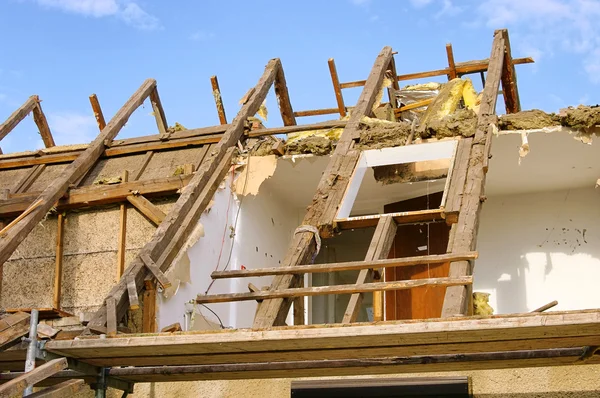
column 17, row 385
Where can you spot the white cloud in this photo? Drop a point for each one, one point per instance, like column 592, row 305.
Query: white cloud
column 420, row 3
column 360, row 2
column 201, row 36
column 72, row 127
column 128, row 11
column 549, row 26
column 448, row 10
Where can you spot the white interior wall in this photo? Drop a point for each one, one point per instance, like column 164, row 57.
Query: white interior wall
column 538, row 247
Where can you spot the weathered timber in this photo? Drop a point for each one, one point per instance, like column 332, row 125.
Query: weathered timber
column 199, row 191
column 283, row 98
column 158, row 274
column 380, row 246
column 18, row 115
column 451, row 66
column 510, row 90
column 10, row 241
column 546, row 306
column 96, row 195
column 149, row 308
column 159, row 114
column 459, row 174
column 335, row 289
column 407, row 217
column 98, row 115
column 42, row 124
column 316, row 112
column 336, row 87
column 330, row 191
column 132, row 292
column 67, row 388
column 216, row 92
column 58, row 266
column 138, row 173
column 346, row 266
column 462, row 68
column 17, row 385
column 12, row 328
column 29, row 178
column 147, row 208
column 111, row 317
column 464, row 232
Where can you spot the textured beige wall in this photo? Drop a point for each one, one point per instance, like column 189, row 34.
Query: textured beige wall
column 555, row 382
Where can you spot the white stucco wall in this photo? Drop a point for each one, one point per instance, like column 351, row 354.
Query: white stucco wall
column 538, row 247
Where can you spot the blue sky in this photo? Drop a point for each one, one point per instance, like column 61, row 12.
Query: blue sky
column 65, row 50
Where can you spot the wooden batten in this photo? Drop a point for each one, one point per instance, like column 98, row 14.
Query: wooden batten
column 98, row 115
column 147, row 208
column 451, row 65
column 380, row 246
column 58, row 268
column 138, row 173
column 122, row 242
column 216, row 91
column 336, row 87
column 42, row 124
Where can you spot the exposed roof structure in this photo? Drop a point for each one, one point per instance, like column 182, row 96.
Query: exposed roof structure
column 186, row 167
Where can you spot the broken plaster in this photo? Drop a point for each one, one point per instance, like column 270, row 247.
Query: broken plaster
column 255, row 172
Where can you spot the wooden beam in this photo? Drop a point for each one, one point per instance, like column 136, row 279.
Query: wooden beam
column 283, row 98
column 546, row 307
column 345, row 266
column 159, row 114
column 380, row 246
column 12, row 328
column 67, row 388
column 97, row 195
column 147, row 208
column 111, row 317
column 29, row 178
column 335, row 289
column 72, row 172
column 459, row 175
column 336, row 87
column 138, row 173
column 122, row 242
column 464, row 233
column 58, row 267
column 462, row 68
column 98, row 115
column 158, row 274
column 149, row 308
column 407, row 217
column 216, row 92
column 19, row 384
column 510, row 90
column 330, row 191
column 18, row 115
column 134, row 302
column 185, row 213
column 42, row 124
column 451, row 66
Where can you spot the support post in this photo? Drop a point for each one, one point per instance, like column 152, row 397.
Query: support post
column 32, row 347
column 451, row 65
column 59, row 262
column 336, row 87
column 216, row 91
column 122, row 245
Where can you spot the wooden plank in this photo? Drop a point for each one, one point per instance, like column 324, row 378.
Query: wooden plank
column 462, row 68
column 122, row 240
column 330, row 191
column 97, row 195
column 283, row 98
column 316, row 112
column 65, row 389
column 380, row 246
column 138, row 173
column 451, row 66
column 336, row 87
column 345, row 266
column 42, row 124
column 159, row 114
column 158, row 274
column 12, row 328
column 170, row 234
column 58, row 266
column 18, row 115
column 71, row 173
column 546, row 306
column 216, row 92
column 29, row 178
column 464, row 233
column 147, row 208
column 111, row 316
column 414, row 105
column 459, row 175
column 501, row 332
column 510, row 89
column 134, row 302
column 19, row 384
column 335, row 289
column 98, row 115
column 407, row 217
column 149, row 308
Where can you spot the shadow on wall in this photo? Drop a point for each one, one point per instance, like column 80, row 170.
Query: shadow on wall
column 539, row 247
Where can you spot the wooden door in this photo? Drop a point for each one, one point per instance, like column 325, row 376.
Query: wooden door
column 417, row 240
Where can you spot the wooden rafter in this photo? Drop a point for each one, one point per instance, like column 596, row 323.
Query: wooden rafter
column 184, row 214
column 380, row 247
column 31, row 105
column 463, row 235
column 321, row 212
column 510, row 90
column 216, row 91
column 283, row 99
column 15, row 235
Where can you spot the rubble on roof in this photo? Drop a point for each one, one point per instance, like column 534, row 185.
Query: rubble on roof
column 377, row 134
column 527, row 120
